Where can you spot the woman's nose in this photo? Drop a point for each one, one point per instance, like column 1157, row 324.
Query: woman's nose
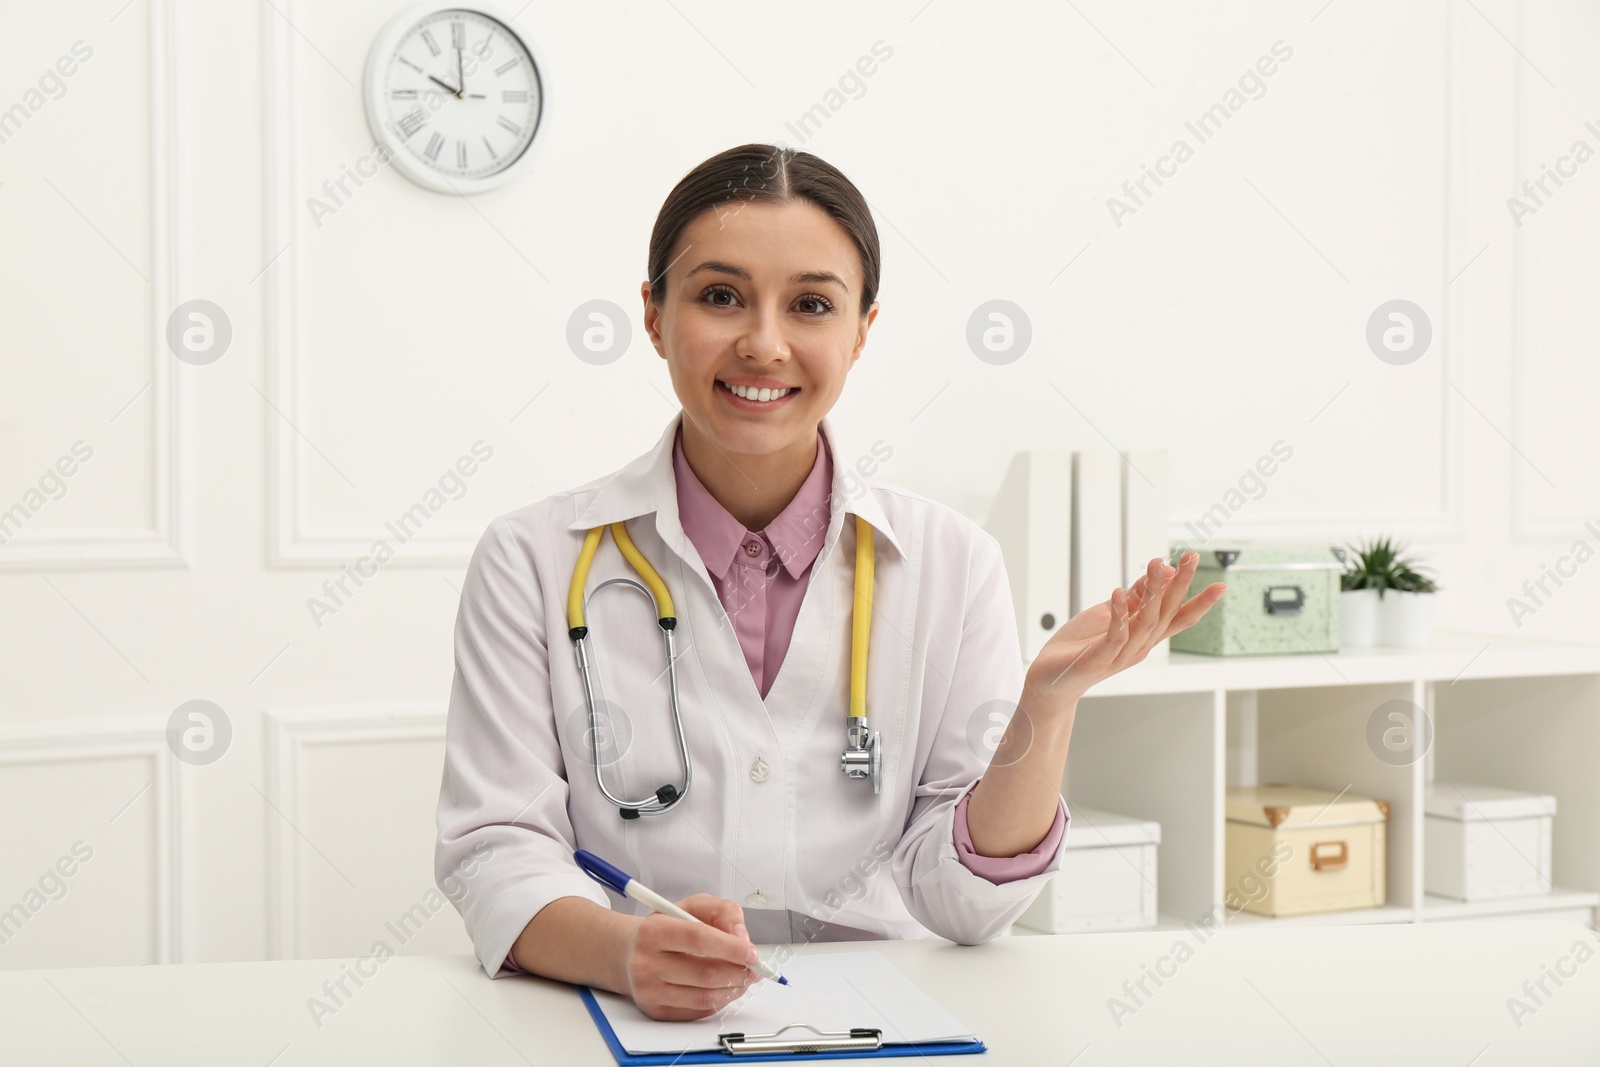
column 765, row 340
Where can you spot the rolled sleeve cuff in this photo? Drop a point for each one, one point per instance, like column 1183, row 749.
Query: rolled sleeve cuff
column 507, row 919
column 1002, row 869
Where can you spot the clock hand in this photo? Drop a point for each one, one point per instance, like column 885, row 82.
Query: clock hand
column 453, row 90
column 461, row 76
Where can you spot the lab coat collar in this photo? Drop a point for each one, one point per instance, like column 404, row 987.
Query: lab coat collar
column 646, row 485
column 793, row 534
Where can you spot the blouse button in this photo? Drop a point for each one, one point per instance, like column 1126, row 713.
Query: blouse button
column 759, row 770
column 756, row 900
column 752, row 548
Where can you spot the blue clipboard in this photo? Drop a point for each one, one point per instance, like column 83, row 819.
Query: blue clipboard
column 665, row 1059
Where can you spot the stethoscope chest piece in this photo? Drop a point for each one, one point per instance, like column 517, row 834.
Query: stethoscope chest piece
column 863, row 755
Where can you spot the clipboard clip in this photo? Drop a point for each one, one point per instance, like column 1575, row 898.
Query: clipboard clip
column 739, row 1043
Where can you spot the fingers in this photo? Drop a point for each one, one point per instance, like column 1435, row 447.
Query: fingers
column 1147, row 619
column 702, row 974
column 687, row 970
column 720, row 912
column 720, row 934
column 1117, row 632
column 1178, row 587
column 671, row 1002
column 1107, row 649
column 1195, row 607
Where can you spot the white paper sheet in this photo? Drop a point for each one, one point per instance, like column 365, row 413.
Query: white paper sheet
column 831, row 991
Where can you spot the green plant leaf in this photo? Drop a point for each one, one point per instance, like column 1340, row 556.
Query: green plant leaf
column 1382, row 564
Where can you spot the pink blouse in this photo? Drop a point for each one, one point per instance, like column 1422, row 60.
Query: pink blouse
column 761, row 577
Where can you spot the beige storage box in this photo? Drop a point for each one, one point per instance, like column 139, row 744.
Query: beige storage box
column 1107, row 879
column 1295, row 851
column 1481, row 842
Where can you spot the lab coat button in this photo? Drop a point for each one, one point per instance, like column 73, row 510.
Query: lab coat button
column 759, row 770
column 756, row 900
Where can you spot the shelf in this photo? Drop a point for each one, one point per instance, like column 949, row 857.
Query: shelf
column 1164, row 740
column 1389, row 913
column 1558, row 899
column 1453, row 656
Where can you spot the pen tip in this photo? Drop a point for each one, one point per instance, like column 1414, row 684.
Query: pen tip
column 782, row 980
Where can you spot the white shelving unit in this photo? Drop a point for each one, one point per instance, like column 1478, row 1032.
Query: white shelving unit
column 1163, row 740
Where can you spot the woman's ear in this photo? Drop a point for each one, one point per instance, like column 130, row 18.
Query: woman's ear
column 652, row 319
column 861, row 334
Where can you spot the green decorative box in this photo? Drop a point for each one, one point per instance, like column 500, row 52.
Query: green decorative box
column 1280, row 598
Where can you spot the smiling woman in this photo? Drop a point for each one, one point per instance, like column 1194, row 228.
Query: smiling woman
column 763, row 284
column 829, row 642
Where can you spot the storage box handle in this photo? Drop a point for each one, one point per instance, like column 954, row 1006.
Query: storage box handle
column 1284, row 599
column 1336, row 861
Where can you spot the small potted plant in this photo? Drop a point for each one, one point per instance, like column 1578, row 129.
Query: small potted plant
column 1365, row 577
column 1385, row 598
column 1406, row 618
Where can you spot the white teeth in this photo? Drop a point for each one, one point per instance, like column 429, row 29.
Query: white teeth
column 759, row 395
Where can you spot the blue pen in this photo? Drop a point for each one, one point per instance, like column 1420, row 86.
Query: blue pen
column 629, row 886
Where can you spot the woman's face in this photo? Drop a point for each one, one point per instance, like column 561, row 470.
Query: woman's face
column 760, row 296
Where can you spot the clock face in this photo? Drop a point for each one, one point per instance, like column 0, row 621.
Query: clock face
column 456, row 96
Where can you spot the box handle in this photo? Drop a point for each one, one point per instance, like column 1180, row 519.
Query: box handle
column 1284, row 599
column 1337, row 861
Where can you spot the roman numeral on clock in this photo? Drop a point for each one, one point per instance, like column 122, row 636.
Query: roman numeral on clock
column 514, row 96
column 458, row 36
column 508, row 124
column 507, row 65
column 427, row 39
column 461, row 155
column 435, row 142
column 411, row 122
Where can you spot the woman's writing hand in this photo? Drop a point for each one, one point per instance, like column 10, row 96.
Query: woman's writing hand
column 1117, row 633
column 680, row 970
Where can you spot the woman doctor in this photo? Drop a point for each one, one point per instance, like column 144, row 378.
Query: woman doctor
column 763, row 278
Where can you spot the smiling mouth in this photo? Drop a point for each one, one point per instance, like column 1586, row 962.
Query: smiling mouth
column 760, row 396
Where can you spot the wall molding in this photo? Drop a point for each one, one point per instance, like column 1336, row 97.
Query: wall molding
column 289, row 541
column 288, row 735
column 166, row 544
column 93, row 741
column 1528, row 524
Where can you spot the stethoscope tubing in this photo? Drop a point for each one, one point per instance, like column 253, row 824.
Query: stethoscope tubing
column 653, row 806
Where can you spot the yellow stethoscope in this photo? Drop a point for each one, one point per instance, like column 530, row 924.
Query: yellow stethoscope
column 863, row 753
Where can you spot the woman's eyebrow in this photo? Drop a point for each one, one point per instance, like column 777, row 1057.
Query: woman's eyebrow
column 740, row 272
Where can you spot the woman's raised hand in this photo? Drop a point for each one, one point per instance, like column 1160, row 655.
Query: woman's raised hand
column 679, row 970
column 1118, row 632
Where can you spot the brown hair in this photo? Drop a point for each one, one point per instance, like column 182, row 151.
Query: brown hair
column 764, row 173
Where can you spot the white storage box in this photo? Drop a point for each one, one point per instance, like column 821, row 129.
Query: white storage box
column 1481, row 842
column 1107, row 879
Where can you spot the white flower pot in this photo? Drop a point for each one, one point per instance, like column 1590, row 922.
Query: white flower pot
column 1405, row 620
column 1358, row 618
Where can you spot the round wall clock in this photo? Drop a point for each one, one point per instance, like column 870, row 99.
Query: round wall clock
column 455, row 96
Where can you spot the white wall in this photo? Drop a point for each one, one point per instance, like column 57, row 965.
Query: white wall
column 1226, row 314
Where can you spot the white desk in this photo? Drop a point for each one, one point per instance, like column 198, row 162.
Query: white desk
column 1407, row 994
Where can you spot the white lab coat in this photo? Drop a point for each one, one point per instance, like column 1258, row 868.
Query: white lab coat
column 808, row 852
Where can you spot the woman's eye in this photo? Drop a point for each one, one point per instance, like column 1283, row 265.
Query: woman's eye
column 718, row 290
column 820, row 305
